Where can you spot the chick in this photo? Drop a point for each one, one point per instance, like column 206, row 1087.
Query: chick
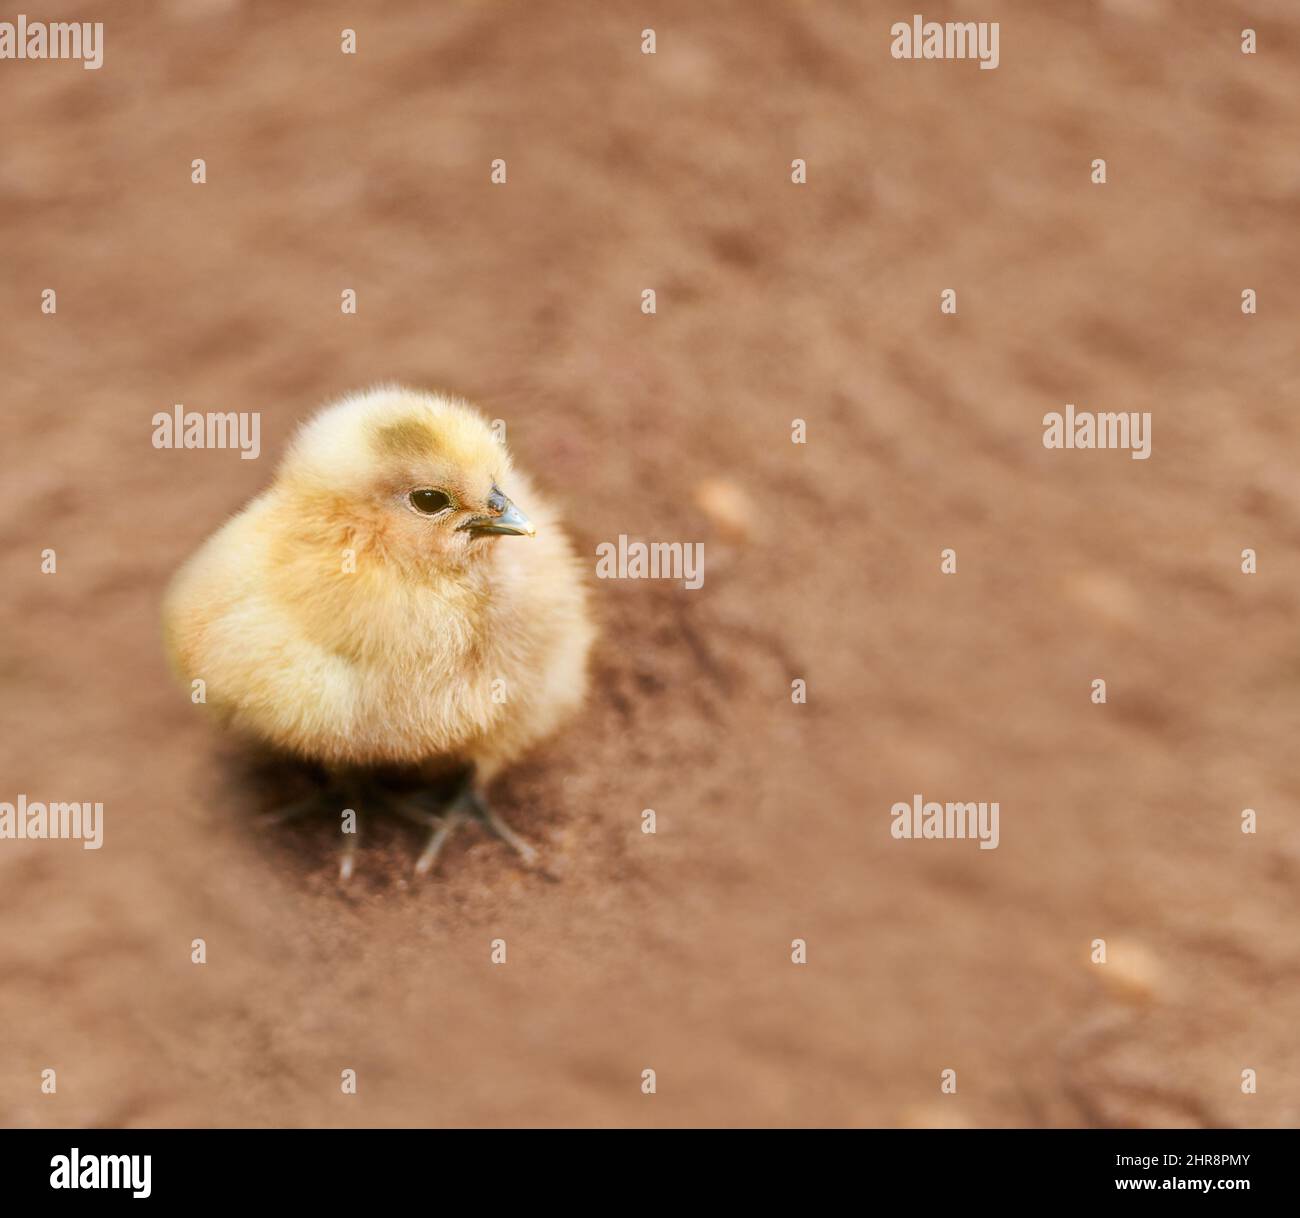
column 383, row 603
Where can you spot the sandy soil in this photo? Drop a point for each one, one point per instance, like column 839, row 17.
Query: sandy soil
column 775, row 302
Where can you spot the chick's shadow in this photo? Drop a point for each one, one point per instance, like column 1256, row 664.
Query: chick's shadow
column 312, row 819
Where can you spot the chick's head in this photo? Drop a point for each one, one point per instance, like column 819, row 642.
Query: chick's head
column 417, row 479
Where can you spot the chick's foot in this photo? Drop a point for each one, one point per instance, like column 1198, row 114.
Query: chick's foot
column 333, row 799
column 468, row 807
column 349, row 797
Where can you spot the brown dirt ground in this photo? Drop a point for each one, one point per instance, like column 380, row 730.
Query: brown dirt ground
column 626, row 171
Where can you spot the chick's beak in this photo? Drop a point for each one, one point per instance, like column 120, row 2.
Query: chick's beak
column 502, row 517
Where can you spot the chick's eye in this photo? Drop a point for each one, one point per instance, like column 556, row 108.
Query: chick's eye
column 429, row 501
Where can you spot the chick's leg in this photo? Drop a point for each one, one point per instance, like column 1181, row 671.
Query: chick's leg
column 340, row 797
column 292, row 811
column 469, row 806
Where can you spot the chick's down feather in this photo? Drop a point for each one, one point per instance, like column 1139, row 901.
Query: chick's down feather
column 366, row 608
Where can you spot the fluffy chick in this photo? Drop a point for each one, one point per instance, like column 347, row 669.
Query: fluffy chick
column 384, row 603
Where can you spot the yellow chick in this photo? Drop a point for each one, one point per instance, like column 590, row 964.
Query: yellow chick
column 383, row 603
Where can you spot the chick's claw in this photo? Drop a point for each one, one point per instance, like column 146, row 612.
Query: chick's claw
column 468, row 806
column 495, row 825
column 348, row 857
column 444, row 826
